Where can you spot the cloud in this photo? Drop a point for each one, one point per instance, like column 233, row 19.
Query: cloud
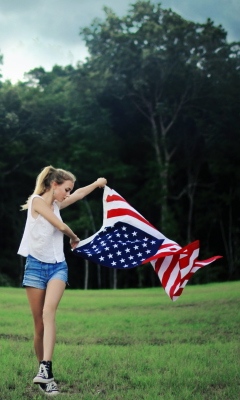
column 222, row 12
column 46, row 32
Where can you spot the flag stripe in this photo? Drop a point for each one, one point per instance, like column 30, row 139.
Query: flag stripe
column 122, row 212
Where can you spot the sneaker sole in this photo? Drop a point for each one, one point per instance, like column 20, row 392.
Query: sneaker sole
column 42, row 380
column 51, row 394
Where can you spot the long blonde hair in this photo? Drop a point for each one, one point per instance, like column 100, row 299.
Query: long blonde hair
column 46, row 177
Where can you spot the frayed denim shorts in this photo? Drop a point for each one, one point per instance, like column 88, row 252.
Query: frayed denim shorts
column 37, row 274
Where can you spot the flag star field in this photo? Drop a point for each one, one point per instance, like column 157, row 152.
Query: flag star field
column 120, row 246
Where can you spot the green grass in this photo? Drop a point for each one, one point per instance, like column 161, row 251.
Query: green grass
column 129, row 345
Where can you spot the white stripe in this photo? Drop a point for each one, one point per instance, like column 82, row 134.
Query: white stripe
column 164, row 266
column 114, row 205
column 188, row 268
column 134, row 222
column 195, row 269
column 172, row 278
column 164, row 250
column 184, row 284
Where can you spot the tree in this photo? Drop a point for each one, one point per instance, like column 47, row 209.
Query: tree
column 158, row 60
column 1, row 62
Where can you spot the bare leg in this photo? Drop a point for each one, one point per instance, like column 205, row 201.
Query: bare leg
column 53, row 296
column 36, row 299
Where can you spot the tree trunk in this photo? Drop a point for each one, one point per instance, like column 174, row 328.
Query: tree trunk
column 86, row 267
column 114, row 278
column 191, row 189
column 94, row 230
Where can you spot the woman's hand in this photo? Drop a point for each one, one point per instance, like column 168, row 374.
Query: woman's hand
column 101, row 182
column 74, row 242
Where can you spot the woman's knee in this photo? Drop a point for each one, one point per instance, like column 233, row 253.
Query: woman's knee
column 39, row 327
column 48, row 313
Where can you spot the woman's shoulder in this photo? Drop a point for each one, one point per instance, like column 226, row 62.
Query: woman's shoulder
column 36, row 198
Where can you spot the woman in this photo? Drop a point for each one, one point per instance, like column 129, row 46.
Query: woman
column 46, row 270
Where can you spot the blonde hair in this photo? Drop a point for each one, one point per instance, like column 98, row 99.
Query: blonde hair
column 46, row 177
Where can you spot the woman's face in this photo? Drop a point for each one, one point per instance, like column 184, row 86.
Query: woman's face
column 61, row 192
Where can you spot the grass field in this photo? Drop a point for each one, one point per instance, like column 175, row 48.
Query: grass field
column 129, row 345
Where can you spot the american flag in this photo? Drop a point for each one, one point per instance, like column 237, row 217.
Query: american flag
column 127, row 240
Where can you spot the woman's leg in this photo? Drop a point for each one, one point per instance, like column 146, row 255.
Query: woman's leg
column 54, row 292
column 36, row 299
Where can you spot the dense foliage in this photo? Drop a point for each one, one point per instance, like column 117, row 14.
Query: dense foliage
column 154, row 109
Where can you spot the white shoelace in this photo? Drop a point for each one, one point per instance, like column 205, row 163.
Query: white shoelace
column 51, row 387
column 43, row 373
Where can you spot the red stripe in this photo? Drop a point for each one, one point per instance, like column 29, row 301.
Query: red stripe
column 158, row 264
column 169, row 270
column 174, row 285
column 115, row 197
column 162, row 254
column 119, row 212
column 208, row 261
column 178, row 293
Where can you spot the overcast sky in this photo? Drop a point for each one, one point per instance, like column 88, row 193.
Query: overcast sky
column 46, row 32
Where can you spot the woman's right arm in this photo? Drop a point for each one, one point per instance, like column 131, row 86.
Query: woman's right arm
column 41, row 207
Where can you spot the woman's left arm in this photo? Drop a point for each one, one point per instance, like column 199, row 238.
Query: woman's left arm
column 82, row 192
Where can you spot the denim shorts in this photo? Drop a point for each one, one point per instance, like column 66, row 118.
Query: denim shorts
column 37, row 273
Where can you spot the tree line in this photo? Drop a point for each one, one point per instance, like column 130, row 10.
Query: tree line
column 154, row 109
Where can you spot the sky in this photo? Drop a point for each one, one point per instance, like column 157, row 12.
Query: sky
column 44, row 33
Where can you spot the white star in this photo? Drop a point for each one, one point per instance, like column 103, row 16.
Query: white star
column 148, row 251
column 134, row 262
column 106, row 248
column 118, row 234
column 130, row 258
column 122, row 260
column 126, row 235
column 101, row 258
column 119, row 253
column 124, row 228
column 113, row 263
column 144, row 244
column 134, row 233
column 127, row 250
column 110, row 255
column 102, row 243
column 125, row 266
column 139, row 254
column 115, row 245
column 145, row 239
column 152, row 242
column 136, row 247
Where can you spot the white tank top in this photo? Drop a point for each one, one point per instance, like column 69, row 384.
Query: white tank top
column 41, row 239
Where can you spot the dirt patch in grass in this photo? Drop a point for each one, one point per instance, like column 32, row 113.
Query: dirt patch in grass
column 14, row 337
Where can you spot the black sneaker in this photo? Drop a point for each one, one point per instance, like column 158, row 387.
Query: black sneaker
column 45, row 373
column 49, row 389
column 42, row 386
